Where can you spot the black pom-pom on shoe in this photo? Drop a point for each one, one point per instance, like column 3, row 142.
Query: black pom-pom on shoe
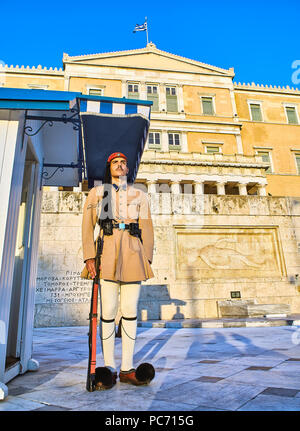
column 104, row 378
column 145, row 372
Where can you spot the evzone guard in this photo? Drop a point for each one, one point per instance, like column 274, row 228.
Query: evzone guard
column 119, row 260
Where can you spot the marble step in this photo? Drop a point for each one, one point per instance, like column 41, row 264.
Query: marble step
column 252, row 309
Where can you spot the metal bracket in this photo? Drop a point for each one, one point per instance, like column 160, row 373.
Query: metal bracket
column 50, row 120
column 59, row 166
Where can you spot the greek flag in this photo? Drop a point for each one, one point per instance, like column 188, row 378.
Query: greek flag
column 141, row 27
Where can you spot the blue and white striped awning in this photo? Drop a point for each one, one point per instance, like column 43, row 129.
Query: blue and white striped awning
column 114, row 108
column 113, row 125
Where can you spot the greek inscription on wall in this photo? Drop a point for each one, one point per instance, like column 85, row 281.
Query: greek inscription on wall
column 67, row 288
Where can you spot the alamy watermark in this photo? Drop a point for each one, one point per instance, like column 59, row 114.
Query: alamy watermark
column 136, row 201
column 296, row 73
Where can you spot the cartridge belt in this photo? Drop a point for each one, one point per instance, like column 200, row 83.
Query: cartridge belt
column 122, row 225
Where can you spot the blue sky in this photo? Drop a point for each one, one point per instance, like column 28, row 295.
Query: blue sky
column 260, row 39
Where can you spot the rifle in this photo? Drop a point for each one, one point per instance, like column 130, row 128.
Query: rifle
column 91, row 373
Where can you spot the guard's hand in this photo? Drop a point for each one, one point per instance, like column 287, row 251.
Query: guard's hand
column 91, row 267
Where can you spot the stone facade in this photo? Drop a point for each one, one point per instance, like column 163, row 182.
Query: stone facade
column 208, row 110
column 222, row 168
column 206, row 246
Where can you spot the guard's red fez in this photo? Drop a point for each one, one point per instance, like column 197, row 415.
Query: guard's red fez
column 114, row 155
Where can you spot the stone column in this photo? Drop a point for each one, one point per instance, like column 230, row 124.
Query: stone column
column 220, row 188
column 151, row 184
column 175, row 187
column 261, row 190
column 199, row 188
column 242, row 189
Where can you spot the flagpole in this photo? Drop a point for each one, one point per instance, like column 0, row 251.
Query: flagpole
column 146, row 29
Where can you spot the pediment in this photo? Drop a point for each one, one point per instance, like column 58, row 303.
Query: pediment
column 148, row 58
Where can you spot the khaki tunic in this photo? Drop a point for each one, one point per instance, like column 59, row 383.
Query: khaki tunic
column 124, row 258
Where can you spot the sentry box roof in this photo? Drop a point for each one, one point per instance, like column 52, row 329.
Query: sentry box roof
column 79, row 132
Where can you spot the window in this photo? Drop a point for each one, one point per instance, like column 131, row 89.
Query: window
column 174, row 140
column 95, row 91
column 154, row 140
column 212, row 149
column 38, row 87
column 298, row 162
column 171, row 97
column 266, row 158
column 152, row 94
column 291, row 114
column 133, row 91
column 207, row 105
column 255, row 110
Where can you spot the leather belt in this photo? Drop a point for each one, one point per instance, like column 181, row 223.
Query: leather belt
column 120, row 226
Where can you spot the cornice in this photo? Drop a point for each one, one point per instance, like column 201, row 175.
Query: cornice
column 206, row 163
column 266, row 88
column 38, row 70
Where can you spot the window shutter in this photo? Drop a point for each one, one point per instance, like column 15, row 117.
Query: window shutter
column 151, row 138
column 157, row 139
column 255, row 112
column 133, row 91
column 95, row 92
column 298, row 163
column 153, row 98
column 172, row 103
column 291, row 115
column 212, row 150
column 133, row 95
column 154, row 140
column 207, row 106
column 174, row 140
column 266, row 159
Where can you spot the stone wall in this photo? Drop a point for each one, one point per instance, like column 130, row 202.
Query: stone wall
column 206, row 246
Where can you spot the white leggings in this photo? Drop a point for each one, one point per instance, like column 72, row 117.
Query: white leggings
column 129, row 296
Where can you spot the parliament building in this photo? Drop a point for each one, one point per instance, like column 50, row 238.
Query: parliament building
column 222, row 170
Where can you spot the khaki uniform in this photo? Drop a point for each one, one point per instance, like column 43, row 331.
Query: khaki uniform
column 124, row 258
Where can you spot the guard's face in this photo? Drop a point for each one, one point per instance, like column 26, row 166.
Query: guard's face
column 118, row 167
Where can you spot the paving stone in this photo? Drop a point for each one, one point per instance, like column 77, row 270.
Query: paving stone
column 12, row 403
column 197, row 368
column 220, row 395
column 280, row 391
column 209, row 379
column 271, row 403
column 273, row 378
column 259, row 368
